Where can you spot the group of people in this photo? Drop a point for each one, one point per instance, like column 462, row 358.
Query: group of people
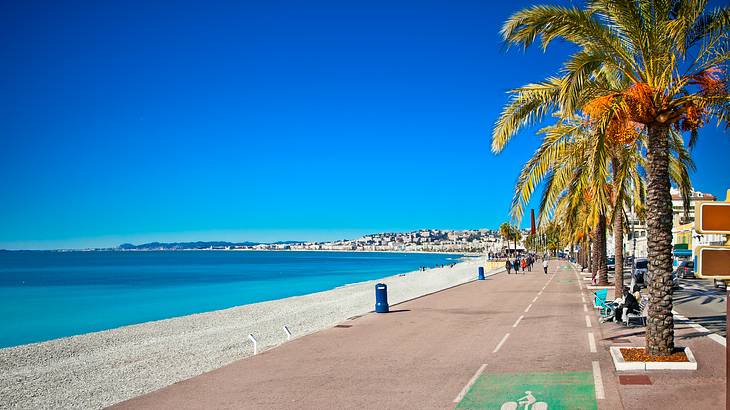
column 424, row 268
column 524, row 263
column 629, row 302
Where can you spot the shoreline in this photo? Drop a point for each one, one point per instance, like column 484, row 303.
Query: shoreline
column 98, row 369
column 466, row 254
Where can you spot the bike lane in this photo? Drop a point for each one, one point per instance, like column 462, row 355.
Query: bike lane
column 422, row 355
column 551, row 360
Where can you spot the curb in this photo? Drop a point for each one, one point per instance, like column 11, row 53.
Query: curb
column 622, row 365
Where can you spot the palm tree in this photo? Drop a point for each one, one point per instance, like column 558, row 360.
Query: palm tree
column 669, row 55
column 565, row 161
column 516, row 235
column 507, row 233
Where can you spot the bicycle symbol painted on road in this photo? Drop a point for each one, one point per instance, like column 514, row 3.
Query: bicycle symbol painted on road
column 531, row 391
column 528, row 401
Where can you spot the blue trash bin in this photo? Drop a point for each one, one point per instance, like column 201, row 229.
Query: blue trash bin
column 381, row 298
column 481, row 273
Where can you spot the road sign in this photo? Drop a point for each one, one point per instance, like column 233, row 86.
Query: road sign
column 712, row 217
column 713, row 261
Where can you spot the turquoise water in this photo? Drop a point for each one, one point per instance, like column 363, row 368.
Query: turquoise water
column 47, row 295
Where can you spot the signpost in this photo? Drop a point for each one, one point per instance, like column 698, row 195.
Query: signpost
column 714, row 261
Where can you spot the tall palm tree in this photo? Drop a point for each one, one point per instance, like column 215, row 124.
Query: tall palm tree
column 516, row 235
column 671, row 54
column 565, row 162
column 505, row 229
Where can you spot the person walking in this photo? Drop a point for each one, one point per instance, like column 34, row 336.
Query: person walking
column 524, row 265
column 508, row 266
column 517, row 265
column 545, row 265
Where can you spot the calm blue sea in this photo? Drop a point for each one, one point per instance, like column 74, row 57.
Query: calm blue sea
column 47, row 295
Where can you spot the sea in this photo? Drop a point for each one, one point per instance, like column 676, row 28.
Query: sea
column 46, row 295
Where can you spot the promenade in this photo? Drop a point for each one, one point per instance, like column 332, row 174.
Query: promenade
column 479, row 345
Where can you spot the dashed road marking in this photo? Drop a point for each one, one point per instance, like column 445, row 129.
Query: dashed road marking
column 469, row 384
column 528, row 308
column 714, row 336
column 598, row 381
column 518, row 321
column 588, row 321
column 718, row 339
column 585, row 307
column 534, row 299
column 591, row 343
column 501, row 342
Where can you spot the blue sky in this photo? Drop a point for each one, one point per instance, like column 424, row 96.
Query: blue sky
column 140, row 121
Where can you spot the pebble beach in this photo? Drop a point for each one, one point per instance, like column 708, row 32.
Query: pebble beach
column 99, row 369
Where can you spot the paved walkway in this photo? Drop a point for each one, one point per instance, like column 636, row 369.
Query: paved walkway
column 529, row 338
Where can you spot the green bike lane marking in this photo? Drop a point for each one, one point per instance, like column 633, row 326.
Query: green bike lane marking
column 531, row 391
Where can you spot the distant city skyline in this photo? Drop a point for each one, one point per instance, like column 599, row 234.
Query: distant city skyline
column 251, row 236
column 260, row 121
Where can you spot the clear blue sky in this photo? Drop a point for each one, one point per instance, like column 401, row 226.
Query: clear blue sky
column 266, row 120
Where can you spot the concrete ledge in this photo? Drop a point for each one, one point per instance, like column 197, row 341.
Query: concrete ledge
column 599, row 287
column 622, row 365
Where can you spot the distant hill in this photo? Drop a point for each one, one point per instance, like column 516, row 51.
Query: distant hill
column 194, row 245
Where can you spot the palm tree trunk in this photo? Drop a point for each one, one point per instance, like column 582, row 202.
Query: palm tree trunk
column 618, row 234
column 589, row 255
column 660, row 323
column 599, row 252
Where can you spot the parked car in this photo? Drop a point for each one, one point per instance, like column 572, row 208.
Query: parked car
column 611, row 262
column 641, row 269
column 642, row 264
column 686, row 269
column 720, row 283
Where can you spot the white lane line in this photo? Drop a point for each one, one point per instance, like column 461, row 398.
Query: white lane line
column 469, row 384
column 718, row 339
column 591, row 343
column 598, row 381
column 585, row 307
column 528, row 308
column 588, row 321
column 582, row 298
column 499, row 346
column 714, row 336
column 534, row 299
column 518, row 321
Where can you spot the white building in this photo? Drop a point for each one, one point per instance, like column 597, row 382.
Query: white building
column 678, row 206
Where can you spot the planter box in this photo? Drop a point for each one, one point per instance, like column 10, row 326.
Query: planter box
column 622, row 365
